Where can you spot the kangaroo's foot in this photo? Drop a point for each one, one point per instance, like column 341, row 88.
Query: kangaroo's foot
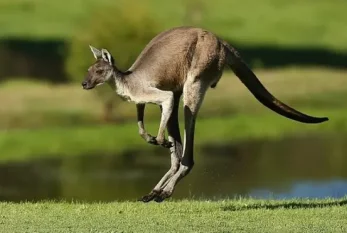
column 156, row 195
column 162, row 196
column 152, row 195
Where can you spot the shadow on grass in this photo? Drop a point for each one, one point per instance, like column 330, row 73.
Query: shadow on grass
column 287, row 205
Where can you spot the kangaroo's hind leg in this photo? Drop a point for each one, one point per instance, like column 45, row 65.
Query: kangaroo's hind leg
column 193, row 94
column 175, row 150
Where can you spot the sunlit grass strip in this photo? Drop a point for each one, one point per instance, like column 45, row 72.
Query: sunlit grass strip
column 236, row 215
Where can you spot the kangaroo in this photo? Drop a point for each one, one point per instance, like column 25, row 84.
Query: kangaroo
column 180, row 61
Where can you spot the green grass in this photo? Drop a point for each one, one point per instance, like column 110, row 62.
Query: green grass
column 277, row 22
column 243, row 215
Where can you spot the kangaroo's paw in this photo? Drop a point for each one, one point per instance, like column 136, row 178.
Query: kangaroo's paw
column 151, row 140
column 164, row 143
column 154, row 141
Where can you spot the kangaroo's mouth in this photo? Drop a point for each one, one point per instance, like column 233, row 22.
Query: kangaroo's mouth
column 87, row 86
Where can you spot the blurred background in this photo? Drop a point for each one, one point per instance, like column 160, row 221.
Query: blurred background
column 60, row 142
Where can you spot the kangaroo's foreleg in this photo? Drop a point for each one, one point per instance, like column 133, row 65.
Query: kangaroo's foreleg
column 165, row 99
column 142, row 131
column 176, row 150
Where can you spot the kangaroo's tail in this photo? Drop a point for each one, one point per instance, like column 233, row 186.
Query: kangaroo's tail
column 248, row 78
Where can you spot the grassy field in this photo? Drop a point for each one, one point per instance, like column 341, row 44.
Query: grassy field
column 243, row 215
column 296, row 23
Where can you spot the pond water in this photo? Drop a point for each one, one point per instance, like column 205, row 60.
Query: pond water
column 307, row 166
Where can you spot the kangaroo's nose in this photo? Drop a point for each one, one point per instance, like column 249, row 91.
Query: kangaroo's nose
column 84, row 83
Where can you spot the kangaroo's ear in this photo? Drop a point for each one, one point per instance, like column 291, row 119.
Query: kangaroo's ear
column 96, row 52
column 107, row 56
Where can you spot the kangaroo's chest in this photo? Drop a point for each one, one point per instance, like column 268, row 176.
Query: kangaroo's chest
column 124, row 94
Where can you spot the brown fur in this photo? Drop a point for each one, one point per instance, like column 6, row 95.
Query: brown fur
column 185, row 44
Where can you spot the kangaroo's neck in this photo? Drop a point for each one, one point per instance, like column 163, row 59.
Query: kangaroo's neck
column 116, row 78
column 121, row 82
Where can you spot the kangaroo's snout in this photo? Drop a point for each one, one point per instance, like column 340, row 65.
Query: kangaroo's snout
column 85, row 85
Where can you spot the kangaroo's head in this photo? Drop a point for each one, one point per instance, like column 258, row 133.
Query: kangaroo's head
column 101, row 71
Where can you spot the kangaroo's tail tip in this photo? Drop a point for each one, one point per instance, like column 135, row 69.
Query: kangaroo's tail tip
column 324, row 119
column 318, row 120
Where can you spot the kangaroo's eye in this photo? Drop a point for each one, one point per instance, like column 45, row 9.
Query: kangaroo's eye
column 99, row 71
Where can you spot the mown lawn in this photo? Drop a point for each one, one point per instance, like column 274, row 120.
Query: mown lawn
column 239, row 215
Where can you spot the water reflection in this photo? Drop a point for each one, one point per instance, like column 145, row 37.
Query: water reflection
column 311, row 166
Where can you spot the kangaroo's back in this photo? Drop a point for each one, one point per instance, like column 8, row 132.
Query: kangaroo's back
column 168, row 57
